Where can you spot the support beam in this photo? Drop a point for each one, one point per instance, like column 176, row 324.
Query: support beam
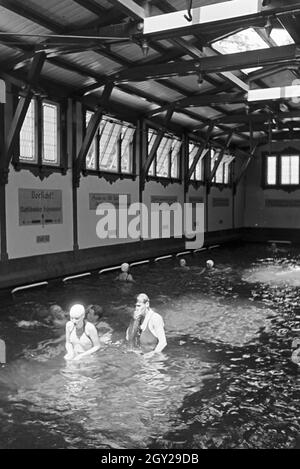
column 170, row 23
column 202, row 100
column 24, row 101
column 157, row 142
column 204, row 18
column 245, row 166
column 201, row 149
column 215, row 64
column 220, row 157
column 91, row 131
column 259, row 117
column 279, row 92
column 130, row 8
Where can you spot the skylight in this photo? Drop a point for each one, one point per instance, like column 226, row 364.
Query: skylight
column 245, row 40
column 281, row 37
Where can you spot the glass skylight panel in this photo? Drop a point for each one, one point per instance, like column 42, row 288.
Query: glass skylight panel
column 245, row 40
column 281, row 37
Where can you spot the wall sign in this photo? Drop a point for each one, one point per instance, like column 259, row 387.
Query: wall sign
column 284, row 203
column 40, row 207
column 100, row 198
column 220, row 202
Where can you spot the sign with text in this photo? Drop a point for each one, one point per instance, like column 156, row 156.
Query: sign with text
column 40, row 207
column 101, row 198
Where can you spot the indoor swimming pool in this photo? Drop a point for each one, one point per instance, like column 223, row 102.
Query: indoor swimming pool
column 225, row 380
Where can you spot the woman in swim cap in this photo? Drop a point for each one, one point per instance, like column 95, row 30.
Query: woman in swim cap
column 81, row 336
column 125, row 276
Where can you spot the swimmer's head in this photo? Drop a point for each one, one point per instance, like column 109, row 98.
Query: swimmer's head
column 57, row 312
column 94, row 313
column 142, row 304
column 182, row 262
column 209, row 264
column 125, row 267
column 77, row 313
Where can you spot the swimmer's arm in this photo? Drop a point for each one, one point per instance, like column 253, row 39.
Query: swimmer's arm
column 93, row 334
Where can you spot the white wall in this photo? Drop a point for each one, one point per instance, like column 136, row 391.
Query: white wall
column 154, row 188
column 257, row 214
column 87, row 219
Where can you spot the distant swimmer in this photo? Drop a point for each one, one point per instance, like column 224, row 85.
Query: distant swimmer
column 95, row 315
column 274, row 249
column 182, row 266
column 209, row 265
column 152, row 336
column 125, row 276
column 81, row 336
column 57, row 316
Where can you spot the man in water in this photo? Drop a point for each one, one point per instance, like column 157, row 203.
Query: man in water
column 95, row 315
column 81, row 336
column 125, row 276
column 152, row 333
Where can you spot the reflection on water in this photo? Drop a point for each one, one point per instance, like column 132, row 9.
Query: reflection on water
column 225, row 380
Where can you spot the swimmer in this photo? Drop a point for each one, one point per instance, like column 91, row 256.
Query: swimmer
column 274, row 249
column 57, row 316
column 125, row 276
column 209, row 265
column 94, row 314
column 152, row 333
column 81, row 336
column 182, row 265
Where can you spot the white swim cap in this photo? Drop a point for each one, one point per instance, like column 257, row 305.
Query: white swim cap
column 210, row 263
column 125, row 267
column 182, row 262
column 77, row 310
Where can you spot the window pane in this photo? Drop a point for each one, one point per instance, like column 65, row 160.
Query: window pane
column 27, row 144
column 271, row 170
column 175, row 158
column 109, row 146
column 127, row 136
column 163, row 156
column 90, row 161
column 290, row 169
column 50, row 133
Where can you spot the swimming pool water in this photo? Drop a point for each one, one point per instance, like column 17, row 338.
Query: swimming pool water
column 225, row 379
